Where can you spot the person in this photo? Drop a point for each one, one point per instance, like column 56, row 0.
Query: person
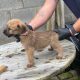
column 48, row 9
column 71, row 31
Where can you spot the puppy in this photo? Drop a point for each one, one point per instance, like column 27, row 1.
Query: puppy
column 33, row 40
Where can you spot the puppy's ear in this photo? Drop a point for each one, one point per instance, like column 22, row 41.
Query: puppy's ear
column 18, row 26
column 23, row 27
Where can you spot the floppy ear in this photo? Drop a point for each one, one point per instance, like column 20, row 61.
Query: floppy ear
column 23, row 27
column 18, row 26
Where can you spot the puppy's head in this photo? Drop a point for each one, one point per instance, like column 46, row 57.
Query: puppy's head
column 14, row 27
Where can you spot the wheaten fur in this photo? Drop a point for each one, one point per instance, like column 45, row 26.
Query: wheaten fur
column 34, row 40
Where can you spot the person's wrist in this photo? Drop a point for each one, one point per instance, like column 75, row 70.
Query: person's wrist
column 29, row 26
column 76, row 25
column 71, row 30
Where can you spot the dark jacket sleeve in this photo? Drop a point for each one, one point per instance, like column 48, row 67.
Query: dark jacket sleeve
column 74, row 6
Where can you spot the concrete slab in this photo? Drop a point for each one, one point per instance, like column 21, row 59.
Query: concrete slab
column 46, row 64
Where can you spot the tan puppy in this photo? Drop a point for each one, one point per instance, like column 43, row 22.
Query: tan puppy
column 33, row 40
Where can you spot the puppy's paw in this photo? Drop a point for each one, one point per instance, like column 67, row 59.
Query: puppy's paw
column 50, row 49
column 59, row 57
column 23, row 50
column 30, row 65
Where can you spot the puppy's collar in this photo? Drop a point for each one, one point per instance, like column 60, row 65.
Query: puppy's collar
column 26, row 32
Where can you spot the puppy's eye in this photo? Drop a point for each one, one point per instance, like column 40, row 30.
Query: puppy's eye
column 18, row 26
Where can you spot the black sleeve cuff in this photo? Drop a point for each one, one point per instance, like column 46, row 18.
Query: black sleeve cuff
column 29, row 26
column 72, row 30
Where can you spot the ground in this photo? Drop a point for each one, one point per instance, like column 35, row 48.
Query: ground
column 71, row 73
column 11, row 55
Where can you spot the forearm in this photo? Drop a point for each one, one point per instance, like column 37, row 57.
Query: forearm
column 43, row 14
column 76, row 25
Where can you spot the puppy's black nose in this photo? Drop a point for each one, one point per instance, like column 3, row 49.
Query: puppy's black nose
column 6, row 33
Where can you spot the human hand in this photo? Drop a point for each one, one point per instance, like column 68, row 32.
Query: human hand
column 29, row 28
column 66, row 32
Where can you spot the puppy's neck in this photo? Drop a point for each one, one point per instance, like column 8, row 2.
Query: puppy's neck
column 25, row 34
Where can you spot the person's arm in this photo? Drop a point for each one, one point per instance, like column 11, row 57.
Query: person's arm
column 70, row 30
column 43, row 14
column 76, row 25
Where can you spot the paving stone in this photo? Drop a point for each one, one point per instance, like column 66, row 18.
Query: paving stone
column 73, row 72
column 33, row 3
column 65, row 75
column 74, row 78
column 54, row 78
column 79, row 78
column 10, row 4
column 51, row 78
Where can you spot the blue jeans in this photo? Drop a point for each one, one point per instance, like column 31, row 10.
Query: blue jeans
column 74, row 6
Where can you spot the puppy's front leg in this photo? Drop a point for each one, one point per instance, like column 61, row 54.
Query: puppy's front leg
column 30, row 53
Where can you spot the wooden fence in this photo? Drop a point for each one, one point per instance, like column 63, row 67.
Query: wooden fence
column 57, row 20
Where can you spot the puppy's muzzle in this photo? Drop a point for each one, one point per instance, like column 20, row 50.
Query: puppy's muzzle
column 6, row 33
